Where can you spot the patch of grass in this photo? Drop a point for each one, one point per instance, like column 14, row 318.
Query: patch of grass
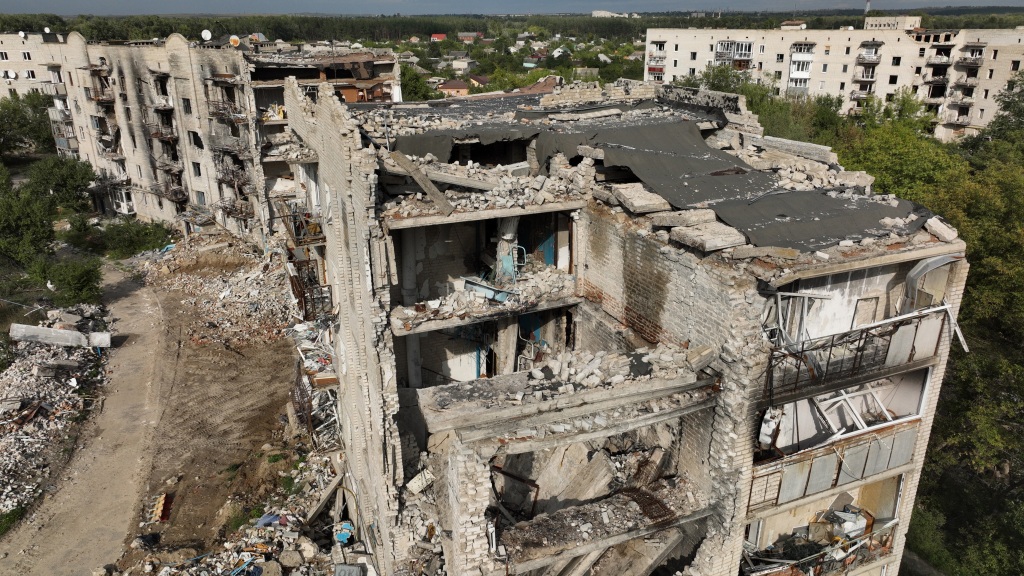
column 288, row 484
column 275, row 458
column 8, row 520
column 243, row 516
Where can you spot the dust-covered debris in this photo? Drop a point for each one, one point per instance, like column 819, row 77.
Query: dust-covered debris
column 239, row 293
column 43, row 393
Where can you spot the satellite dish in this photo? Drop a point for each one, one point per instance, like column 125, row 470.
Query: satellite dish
column 46, row 30
column 206, row 34
column 22, row 34
column 234, row 40
column 12, row 74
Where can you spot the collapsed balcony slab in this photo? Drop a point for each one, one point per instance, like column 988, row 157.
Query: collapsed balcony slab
column 631, row 513
column 475, row 301
column 396, row 222
column 516, row 408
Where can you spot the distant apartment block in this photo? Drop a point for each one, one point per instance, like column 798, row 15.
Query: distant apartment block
column 185, row 132
column 956, row 73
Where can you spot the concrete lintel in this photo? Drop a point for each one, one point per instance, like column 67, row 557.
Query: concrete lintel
column 26, row 333
column 605, row 543
column 818, row 269
column 474, row 415
column 472, row 216
column 398, row 328
column 521, row 447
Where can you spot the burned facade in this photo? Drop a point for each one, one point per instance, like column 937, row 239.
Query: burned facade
column 618, row 332
column 197, row 133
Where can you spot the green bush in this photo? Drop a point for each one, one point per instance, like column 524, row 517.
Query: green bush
column 8, row 520
column 129, row 237
column 75, row 280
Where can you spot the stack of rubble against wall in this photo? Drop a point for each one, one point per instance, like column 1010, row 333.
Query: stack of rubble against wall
column 248, row 303
column 293, row 536
column 676, row 247
column 42, row 393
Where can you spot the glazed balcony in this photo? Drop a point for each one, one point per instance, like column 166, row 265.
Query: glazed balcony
column 819, row 365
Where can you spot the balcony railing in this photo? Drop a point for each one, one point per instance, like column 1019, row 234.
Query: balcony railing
column 233, row 208
column 314, row 298
column 105, row 96
column 860, row 95
column 172, row 192
column 304, row 229
column 231, row 145
column 115, row 155
column 842, row 556
column 962, row 100
column 958, row 120
column 235, row 175
column 54, row 89
column 66, row 143
column 970, row 61
column 168, row 165
column 863, row 78
column 811, row 366
column 967, row 81
column 938, row 61
column 162, row 131
column 225, row 78
column 868, row 59
column 226, row 110
column 163, row 105
column 932, row 79
column 59, row 114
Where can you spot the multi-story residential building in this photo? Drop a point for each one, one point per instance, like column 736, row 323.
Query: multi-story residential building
column 581, row 334
column 187, row 132
column 29, row 62
column 957, row 73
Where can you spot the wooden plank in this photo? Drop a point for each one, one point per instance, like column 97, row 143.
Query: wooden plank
column 435, row 195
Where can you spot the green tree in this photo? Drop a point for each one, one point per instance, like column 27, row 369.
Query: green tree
column 25, row 226
column 14, row 124
column 1010, row 118
column 414, row 87
column 64, row 181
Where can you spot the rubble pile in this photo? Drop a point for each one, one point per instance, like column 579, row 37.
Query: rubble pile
column 278, row 542
column 493, row 187
column 479, row 299
column 42, row 394
column 567, row 373
column 798, row 173
column 242, row 301
column 629, row 509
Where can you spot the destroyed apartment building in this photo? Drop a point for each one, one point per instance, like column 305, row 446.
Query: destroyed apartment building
column 617, row 331
column 195, row 133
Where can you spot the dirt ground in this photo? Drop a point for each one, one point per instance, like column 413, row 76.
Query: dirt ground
column 182, row 419
column 94, row 506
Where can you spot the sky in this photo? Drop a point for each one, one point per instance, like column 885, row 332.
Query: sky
column 122, row 7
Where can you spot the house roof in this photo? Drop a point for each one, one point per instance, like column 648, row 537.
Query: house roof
column 453, row 85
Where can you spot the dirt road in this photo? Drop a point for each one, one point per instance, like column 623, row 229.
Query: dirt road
column 84, row 524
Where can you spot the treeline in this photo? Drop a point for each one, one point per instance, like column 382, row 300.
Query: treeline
column 294, row 28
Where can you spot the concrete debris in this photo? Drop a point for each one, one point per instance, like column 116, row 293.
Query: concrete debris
column 683, row 218
column 638, row 199
column 475, row 187
column 941, row 230
column 249, row 304
column 277, row 542
column 42, row 394
column 709, row 236
column 55, row 337
column 476, row 298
